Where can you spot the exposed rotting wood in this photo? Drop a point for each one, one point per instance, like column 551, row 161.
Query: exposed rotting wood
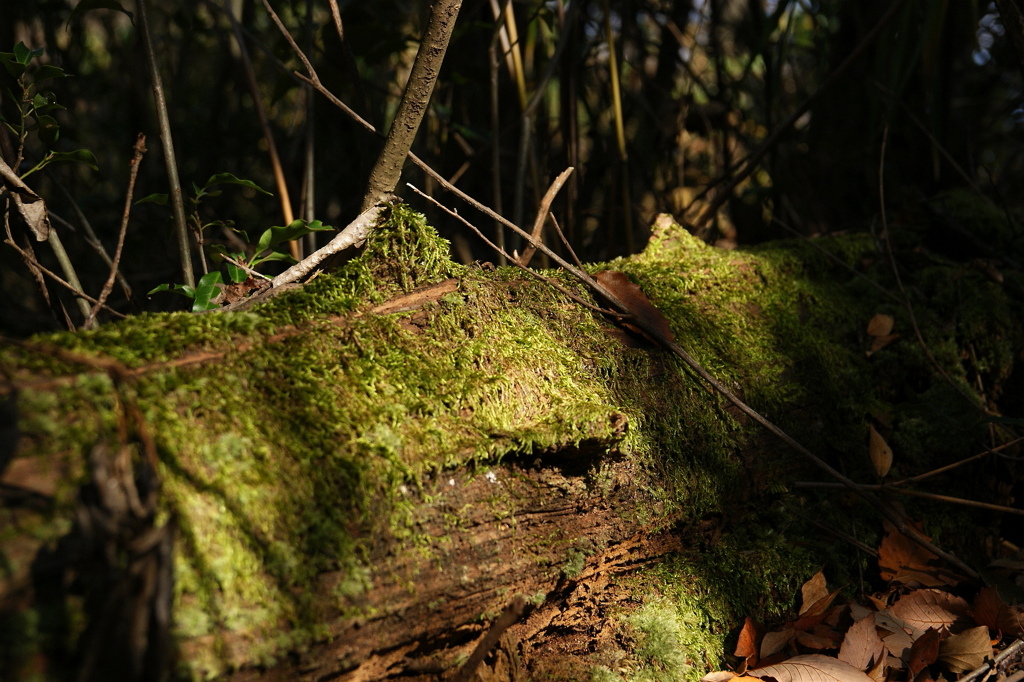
column 558, row 509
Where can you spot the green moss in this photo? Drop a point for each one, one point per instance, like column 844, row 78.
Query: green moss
column 693, row 601
column 318, row 418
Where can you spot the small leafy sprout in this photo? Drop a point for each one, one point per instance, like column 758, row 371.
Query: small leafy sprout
column 205, row 295
column 210, row 189
column 266, row 248
column 35, row 107
column 202, row 295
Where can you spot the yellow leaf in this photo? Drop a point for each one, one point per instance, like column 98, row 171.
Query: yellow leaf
column 880, row 452
column 880, row 325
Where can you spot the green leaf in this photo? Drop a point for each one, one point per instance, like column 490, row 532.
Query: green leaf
column 183, row 289
column 297, row 228
column 161, row 199
column 47, row 71
column 229, row 179
column 80, row 155
column 278, row 255
column 206, row 291
column 11, row 63
column 23, row 55
column 273, row 256
column 48, row 129
column 236, row 274
column 86, row 5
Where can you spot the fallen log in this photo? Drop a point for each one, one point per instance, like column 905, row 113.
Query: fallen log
column 352, row 480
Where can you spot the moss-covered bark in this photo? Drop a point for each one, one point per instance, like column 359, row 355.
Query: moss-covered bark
column 350, row 488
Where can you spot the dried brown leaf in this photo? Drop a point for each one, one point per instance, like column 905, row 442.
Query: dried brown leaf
column 819, row 637
column 637, row 302
column 896, row 637
column 878, row 670
column 880, row 342
column 990, row 609
column 923, row 609
column 749, row 642
column 813, row 590
column 903, row 561
column 967, row 650
column 862, row 646
column 774, row 642
column 880, row 325
column 811, row 668
column 879, row 452
column 924, row 652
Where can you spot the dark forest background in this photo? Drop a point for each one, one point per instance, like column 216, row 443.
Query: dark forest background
column 655, row 103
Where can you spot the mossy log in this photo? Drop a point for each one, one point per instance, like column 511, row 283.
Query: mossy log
column 352, row 480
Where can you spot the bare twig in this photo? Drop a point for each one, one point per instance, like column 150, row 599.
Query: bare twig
column 69, row 270
column 353, row 234
column 1006, row 657
column 415, row 100
column 542, row 214
column 56, row 278
column 916, row 493
column 533, row 273
column 90, row 235
column 941, row 470
column 108, row 286
column 246, row 268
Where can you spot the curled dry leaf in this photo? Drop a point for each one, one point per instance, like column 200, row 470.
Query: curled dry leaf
column 895, row 636
column 749, row 642
column 636, row 300
column 879, row 451
column 967, row 650
column 774, row 642
column 862, row 647
column 812, row 591
column 811, row 668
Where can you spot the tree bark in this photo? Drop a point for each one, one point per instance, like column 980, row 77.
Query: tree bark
column 388, row 169
column 351, row 481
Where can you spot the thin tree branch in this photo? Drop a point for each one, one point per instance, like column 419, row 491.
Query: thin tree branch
column 167, row 142
column 542, row 214
column 917, row 493
column 108, row 286
column 415, row 100
column 56, row 278
column 261, row 114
